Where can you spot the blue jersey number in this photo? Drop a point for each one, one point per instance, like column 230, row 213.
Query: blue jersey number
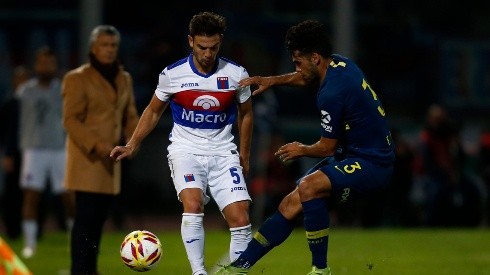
column 235, row 175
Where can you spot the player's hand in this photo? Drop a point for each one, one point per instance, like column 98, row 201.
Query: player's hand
column 290, row 151
column 122, row 152
column 262, row 83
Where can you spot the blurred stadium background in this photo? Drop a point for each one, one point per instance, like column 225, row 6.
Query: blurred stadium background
column 415, row 53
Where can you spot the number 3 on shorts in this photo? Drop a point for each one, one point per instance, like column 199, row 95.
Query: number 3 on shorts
column 349, row 169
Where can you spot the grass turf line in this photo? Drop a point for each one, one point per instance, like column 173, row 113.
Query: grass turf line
column 352, row 251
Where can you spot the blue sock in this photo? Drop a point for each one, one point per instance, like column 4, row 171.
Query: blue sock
column 317, row 222
column 275, row 230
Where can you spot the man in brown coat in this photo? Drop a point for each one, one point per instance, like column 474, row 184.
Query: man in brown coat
column 98, row 111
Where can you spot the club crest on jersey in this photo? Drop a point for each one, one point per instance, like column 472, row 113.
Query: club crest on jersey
column 189, row 177
column 222, row 82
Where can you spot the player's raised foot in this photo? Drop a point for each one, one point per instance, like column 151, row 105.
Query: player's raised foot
column 319, row 271
column 232, row 270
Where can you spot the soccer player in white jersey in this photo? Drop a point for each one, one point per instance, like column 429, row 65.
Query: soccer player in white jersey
column 205, row 100
column 42, row 141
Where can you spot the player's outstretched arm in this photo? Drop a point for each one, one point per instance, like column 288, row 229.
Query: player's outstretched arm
column 149, row 119
column 261, row 82
column 322, row 148
column 265, row 82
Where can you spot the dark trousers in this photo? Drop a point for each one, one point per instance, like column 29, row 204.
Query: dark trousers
column 11, row 202
column 92, row 210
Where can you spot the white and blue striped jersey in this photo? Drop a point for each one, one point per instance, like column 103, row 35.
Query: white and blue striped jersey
column 203, row 107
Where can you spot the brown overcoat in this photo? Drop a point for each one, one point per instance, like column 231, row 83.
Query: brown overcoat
column 93, row 111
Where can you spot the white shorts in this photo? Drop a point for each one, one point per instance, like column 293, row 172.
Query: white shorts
column 220, row 175
column 39, row 165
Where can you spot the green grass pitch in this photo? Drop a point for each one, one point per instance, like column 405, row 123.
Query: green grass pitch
column 352, row 251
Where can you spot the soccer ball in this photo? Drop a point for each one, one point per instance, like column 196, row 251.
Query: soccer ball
column 141, row 250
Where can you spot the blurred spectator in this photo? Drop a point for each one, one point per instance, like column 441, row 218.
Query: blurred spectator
column 11, row 199
column 273, row 180
column 265, row 114
column 484, row 169
column 394, row 205
column 160, row 49
column 42, row 141
column 452, row 198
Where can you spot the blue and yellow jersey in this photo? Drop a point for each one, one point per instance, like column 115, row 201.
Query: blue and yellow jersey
column 352, row 113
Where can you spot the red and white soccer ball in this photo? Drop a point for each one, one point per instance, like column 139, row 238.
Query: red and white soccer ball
column 141, row 250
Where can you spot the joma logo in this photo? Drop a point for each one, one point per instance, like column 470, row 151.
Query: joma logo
column 189, row 84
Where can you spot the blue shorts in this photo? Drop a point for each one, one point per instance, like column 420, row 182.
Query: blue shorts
column 352, row 176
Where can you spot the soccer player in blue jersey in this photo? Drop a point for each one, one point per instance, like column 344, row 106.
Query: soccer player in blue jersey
column 205, row 99
column 355, row 143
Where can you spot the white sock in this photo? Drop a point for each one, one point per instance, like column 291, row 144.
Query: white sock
column 69, row 223
column 29, row 227
column 192, row 231
column 240, row 237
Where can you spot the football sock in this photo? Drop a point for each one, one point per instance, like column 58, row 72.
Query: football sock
column 275, row 230
column 192, row 231
column 240, row 237
column 69, row 224
column 317, row 222
column 29, row 226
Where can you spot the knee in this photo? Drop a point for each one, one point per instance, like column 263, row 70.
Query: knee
column 239, row 220
column 306, row 190
column 237, row 215
column 193, row 206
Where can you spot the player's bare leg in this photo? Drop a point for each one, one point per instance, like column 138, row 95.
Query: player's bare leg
column 192, row 229
column 290, row 206
column 238, row 220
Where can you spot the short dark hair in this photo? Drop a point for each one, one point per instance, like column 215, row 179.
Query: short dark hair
column 207, row 23
column 307, row 37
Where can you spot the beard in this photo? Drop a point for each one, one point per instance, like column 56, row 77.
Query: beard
column 310, row 77
column 205, row 64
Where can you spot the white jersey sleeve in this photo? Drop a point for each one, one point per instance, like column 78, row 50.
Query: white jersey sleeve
column 164, row 88
column 243, row 93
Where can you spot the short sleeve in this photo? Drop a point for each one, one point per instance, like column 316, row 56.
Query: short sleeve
column 163, row 90
column 243, row 93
